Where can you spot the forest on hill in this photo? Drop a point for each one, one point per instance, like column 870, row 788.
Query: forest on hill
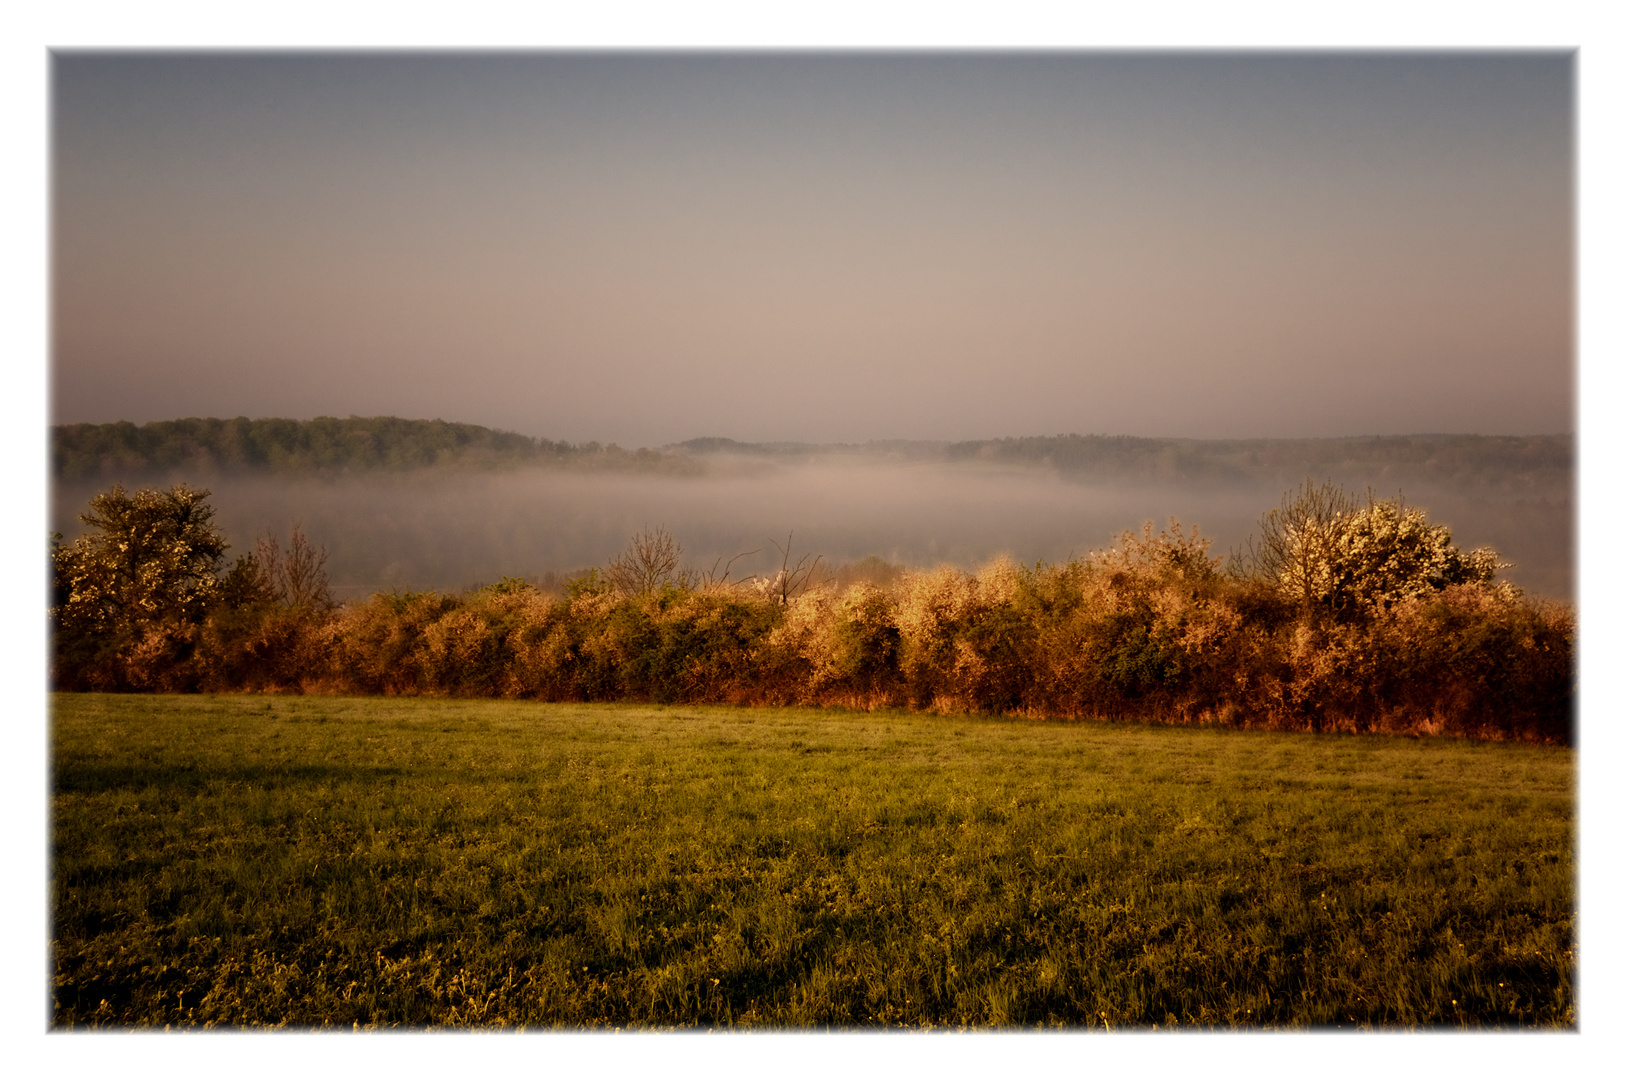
column 325, row 445
column 1510, row 462
column 1503, row 463
column 201, row 448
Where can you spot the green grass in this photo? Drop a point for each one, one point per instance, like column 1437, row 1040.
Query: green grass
column 375, row 862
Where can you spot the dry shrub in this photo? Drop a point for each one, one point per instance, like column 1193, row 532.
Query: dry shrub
column 377, row 644
column 934, row 608
column 712, row 647
column 1473, row 660
column 265, row 648
column 648, row 563
column 846, row 648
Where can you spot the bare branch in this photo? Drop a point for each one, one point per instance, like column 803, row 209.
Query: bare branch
column 297, row 578
column 647, row 564
column 1299, row 540
column 305, row 574
column 791, row 581
column 711, row 580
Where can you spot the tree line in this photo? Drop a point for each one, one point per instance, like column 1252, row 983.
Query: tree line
column 1506, row 463
column 1343, row 613
column 324, row 445
column 121, row 451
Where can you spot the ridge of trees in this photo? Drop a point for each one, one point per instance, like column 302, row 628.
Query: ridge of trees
column 1464, row 461
column 206, row 446
column 324, row 445
column 1460, row 459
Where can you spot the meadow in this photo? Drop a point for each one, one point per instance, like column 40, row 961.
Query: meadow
column 277, row 861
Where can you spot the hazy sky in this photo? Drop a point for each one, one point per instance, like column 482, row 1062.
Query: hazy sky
column 648, row 248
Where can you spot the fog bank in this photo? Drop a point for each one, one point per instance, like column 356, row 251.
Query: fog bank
column 442, row 531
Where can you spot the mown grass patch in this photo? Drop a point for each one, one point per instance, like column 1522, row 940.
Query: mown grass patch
column 388, row 861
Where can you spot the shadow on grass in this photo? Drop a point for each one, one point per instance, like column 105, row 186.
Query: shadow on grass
column 95, row 778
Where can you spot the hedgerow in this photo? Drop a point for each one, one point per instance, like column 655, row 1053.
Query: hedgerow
column 1367, row 620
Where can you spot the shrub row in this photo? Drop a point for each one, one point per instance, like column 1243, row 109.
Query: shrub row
column 1151, row 630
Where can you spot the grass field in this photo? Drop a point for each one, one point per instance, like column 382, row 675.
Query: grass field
column 249, row 861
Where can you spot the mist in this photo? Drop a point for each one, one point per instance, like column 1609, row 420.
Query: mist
column 455, row 530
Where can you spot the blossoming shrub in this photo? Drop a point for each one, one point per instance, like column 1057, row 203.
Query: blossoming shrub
column 839, row 646
column 1338, row 559
column 1388, row 552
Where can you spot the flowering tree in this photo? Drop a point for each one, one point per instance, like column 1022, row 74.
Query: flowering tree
column 155, row 558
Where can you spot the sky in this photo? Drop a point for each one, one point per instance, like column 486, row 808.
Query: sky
column 825, row 247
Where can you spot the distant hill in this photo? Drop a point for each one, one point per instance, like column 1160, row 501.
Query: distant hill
column 1509, row 464
column 1504, row 465
column 325, row 445
column 1460, row 461
column 431, row 504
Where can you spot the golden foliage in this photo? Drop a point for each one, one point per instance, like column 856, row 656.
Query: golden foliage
column 1149, row 629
